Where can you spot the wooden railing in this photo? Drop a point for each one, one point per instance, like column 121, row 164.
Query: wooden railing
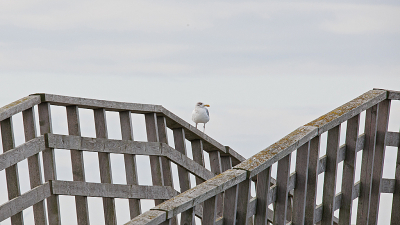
column 223, row 193
column 235, row 184
column 157, row 121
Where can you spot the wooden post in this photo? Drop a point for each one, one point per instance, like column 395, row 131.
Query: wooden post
column 197, row 151
column 312, row 181
column 299, row 199
column 35, row 171
column 215, row 164
column 130, row 161
column 226, row 163
column 349, row 166
column 184, row 179
column 380, row 147
column 282, row 191
column 395, row 217
column 230, row 205
column 78, row 168
column 155, row 161
column 243, row 201
column 210, row 211
column 332, row 153
column 262, row 189
column 367, row 165
column 49, row 163
column 7, row 136
column 105, row 166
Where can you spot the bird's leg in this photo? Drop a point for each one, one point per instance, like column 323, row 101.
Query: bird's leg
column 196, row 125
column 204, row 128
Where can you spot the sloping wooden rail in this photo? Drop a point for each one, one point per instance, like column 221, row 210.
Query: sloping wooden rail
column 241, row 208
column 222, row 195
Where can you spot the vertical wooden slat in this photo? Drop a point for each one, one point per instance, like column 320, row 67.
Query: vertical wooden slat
column 230, row 205
column 35, row 170
column 263, row 185
column 312, row 181
column 243, row 201
column 197, row 152
column 130, row 161
column 349, row 166
column 105, row 165
column 215, row 164
column 226, row 163
column 155, row 161
column 282, row 190
column 299, row 199
column 367, row 165
column 49, row 164
column 78, row 168
column 184, row 178
column 165, row 163
column 380, row 147
column 7, row 136
column 210, row 211
column 395, row 217
column 328, row 198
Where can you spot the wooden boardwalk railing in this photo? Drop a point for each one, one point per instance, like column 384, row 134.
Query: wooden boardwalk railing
column 222, row 195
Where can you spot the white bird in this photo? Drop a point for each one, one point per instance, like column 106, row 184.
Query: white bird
column 200, row 114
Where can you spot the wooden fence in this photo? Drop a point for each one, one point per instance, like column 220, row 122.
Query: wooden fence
column 223, row 193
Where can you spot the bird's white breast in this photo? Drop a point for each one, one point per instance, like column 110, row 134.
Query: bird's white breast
column 199, row 115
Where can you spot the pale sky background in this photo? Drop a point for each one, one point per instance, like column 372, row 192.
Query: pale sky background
column 265, row 67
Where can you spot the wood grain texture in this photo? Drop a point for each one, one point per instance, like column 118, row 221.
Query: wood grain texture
column 328, row 198
column 210, row 211
column 382, row 126
column 78, row 168
column 130, row 161
column 198, row 156
column 12, row 178
column 282, row 182
column 215, row 164
column 18, row 106
column 105, row 166
column 29, row 198
column 367, row 165
column 262, row 190
column 166, row 163
column 349, row 167
column 230, row 205
column 35, row 170
column 395, row 217
column 49, row 164
column 243, row 201
column 299, row 200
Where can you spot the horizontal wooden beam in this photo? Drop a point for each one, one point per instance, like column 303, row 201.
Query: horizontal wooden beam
column 78, row 188
column 18, row 106
column 21, row 152
column 393, row 139
column 24, row 201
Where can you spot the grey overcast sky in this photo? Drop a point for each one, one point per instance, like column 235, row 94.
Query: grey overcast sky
column 265, row 67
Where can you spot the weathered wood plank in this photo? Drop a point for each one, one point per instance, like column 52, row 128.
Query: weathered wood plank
column 130, row 161
column 395, row 217
column 215, row 165
column 278, row 150
column 348, row 110
column 23, row 151
column 312, row 180
column 12, row 178
column 299, row 200
column 382, row 126
column 166, row 164
column 35, row 170
column 18, row 106
column 96, row 104
column 202, row 192
column 349, row 167
column 328, row 198
column 243, row 201
column 151, row 217
column 78, row 168
column 29, row 198
column 230, row 205
column 367, row 165
column 49, row 164
column 198, row 156
column 236, row 157
column 210, row 211
column 387, row 185
column 105, row 166
column 282, row 181
column 394, row 95
column 79, row 188
column 226, row 163
column 262, row 189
